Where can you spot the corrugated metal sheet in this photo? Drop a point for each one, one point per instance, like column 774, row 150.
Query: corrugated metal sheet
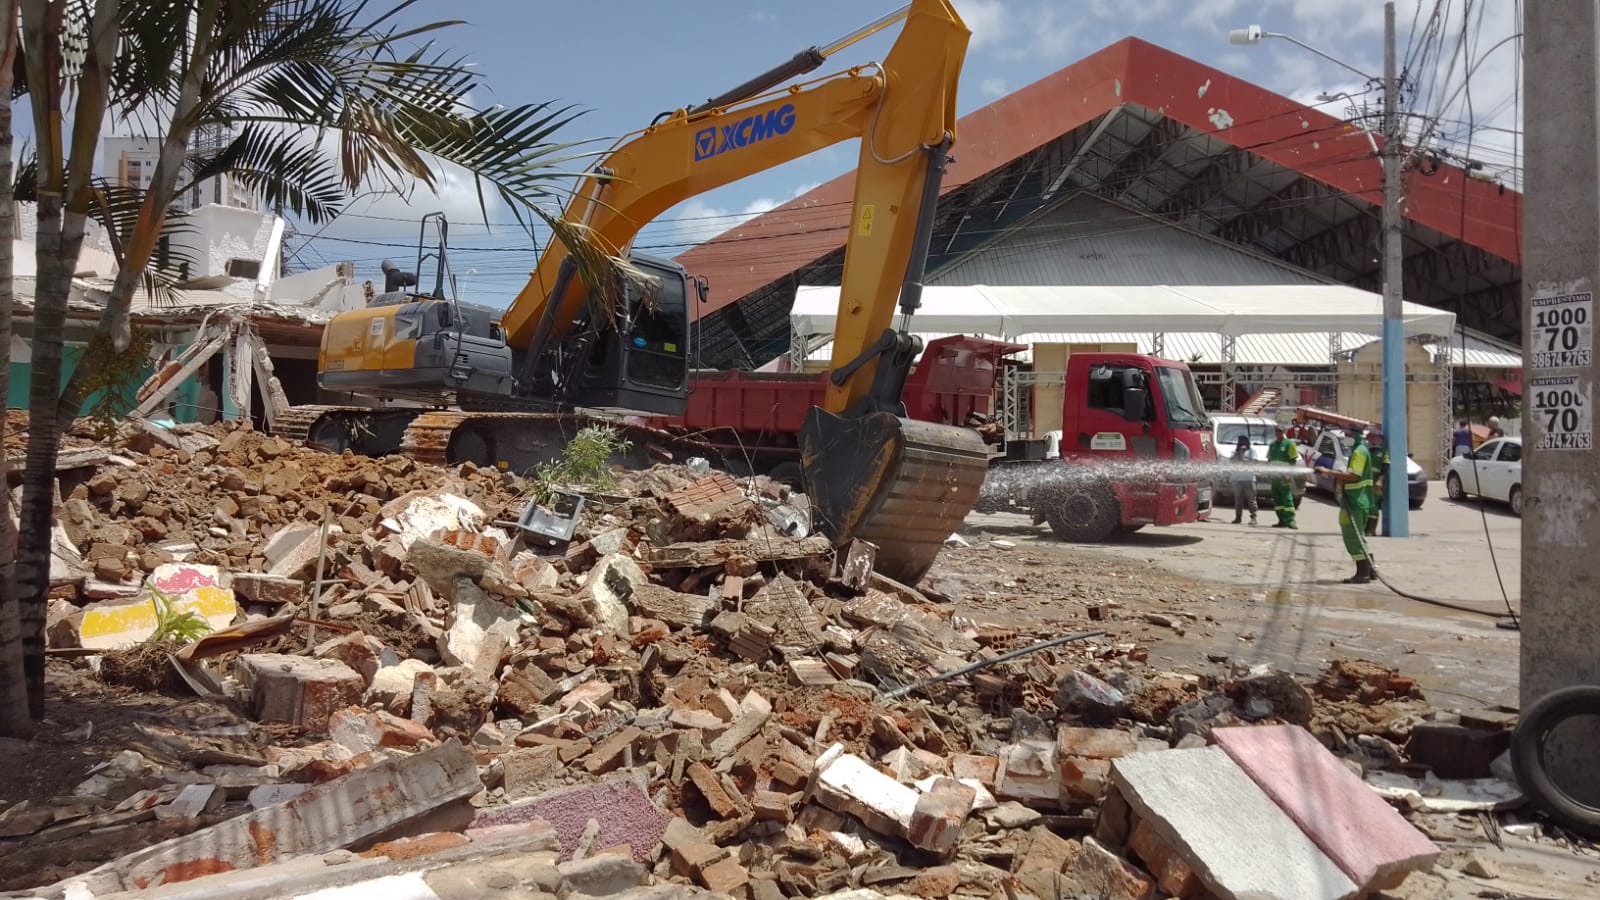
column 1091, row 240
column 1477, row 351
column 1308, row 350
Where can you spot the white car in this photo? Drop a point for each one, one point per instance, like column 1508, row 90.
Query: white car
column 1332, row 451
column 1493, row 472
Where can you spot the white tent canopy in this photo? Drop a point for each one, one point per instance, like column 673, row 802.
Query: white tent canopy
column 1011, row 312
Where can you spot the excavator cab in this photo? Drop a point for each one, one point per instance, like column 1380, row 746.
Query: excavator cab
column 635, row 364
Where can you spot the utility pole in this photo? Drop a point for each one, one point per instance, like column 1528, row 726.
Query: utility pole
column 1560, row 470
column 1396, row 518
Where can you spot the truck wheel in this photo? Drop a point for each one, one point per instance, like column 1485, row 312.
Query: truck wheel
column 1537, row 724
column 1081, row 514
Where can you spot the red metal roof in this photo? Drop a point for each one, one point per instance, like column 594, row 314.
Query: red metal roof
column 1131, row 71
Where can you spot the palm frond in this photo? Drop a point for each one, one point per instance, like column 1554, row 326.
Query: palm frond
column 282, row 167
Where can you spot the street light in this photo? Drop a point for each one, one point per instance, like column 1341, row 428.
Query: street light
column 1396, row 510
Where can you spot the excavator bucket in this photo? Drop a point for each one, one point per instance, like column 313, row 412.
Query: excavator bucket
column 901, row 484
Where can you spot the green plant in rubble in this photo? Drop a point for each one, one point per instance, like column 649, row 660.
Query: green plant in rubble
column 173, row 626
column 113, row 379
column 584, row 463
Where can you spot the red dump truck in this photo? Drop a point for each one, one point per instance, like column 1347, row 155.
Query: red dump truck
column 754, row 418
column 1133, row 450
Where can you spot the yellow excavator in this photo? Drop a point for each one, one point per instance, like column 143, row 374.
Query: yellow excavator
column 509, row 388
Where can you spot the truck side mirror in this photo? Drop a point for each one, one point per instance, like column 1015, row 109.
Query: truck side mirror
column 1135, row 401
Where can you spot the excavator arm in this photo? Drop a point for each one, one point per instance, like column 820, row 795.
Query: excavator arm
column 871, row 472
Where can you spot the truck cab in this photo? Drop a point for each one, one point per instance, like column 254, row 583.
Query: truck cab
column 1133, row 407
column 1133, row 428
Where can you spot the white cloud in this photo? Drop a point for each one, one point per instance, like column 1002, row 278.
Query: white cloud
column 1214, row 15
column 762, row 17
column 989, row 20
column 994, row 87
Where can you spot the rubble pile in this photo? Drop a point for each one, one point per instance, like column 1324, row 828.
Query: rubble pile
column 693, row 689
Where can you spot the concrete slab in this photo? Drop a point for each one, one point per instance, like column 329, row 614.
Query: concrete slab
column 1239, row 843
column 1369, row 841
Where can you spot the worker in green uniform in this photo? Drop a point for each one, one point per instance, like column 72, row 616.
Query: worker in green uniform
column 1355, row 505
column 1283, row 450
column 1378, row 449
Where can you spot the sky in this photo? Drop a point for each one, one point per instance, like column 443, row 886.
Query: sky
column 645, row 56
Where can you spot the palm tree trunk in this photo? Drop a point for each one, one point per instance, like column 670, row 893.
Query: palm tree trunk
column 141, row 245
column 15, row 720
column 64, row 200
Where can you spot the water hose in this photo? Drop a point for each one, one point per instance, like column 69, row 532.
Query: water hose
column 1511, row 624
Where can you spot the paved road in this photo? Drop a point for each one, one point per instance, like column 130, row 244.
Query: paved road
column 1300, row 615
column 1448, row 554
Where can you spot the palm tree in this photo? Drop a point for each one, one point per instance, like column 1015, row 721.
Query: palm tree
column 283, row 75
column 14, row 717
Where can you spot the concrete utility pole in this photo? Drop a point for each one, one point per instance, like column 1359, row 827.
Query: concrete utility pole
column 1560, row 470
column 1396, row 518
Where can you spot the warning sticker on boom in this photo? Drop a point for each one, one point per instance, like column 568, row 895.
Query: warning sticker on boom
column 1563, row 330
column 1561, row 413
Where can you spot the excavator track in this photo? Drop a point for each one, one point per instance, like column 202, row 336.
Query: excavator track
column 361, row 429
column 519, row 441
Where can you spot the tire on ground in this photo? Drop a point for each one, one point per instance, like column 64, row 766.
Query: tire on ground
column 1080, row 513
column 788, row 473
column 1538, row 722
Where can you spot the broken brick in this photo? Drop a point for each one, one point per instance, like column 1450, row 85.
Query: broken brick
column 940, row 815
column 298, row 690
column 711, row 788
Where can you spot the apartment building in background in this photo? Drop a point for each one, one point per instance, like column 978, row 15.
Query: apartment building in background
column 131, row 162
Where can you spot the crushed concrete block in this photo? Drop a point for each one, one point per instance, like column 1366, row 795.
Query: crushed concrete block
column 940, row 815
column 606, row 589
column 361, row 652
column 1097, row 872
column 1028, row 772
column 1368, row 839
column 1203, row 806
column 270, row 590
column 1171, row 873
column 679, row 610
column 1456, row 751
column 301, row 551
column 710, row 787
column 296, row 689
column 601, row 876
column 392, row 686
column 364, row 730
column 524, row 687
column 475, row 617
column 753, row 712
column 194, row 801
column 528, row 770
column 848, row 784
column 331, row 816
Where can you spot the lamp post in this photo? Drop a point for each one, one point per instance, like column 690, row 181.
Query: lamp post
column 1396, row 519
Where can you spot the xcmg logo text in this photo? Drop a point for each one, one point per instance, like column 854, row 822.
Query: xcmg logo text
column 716, row 140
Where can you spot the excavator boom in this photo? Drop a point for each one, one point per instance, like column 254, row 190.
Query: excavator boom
column 874, row 473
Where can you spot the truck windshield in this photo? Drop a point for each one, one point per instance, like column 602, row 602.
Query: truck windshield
column 1228, row 433
column 1185, row 409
